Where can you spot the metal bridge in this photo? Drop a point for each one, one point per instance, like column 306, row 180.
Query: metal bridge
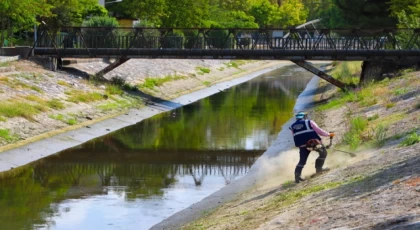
column 231, row 43
column 297, row 45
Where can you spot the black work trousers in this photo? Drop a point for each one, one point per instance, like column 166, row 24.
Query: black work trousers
column 304, row 154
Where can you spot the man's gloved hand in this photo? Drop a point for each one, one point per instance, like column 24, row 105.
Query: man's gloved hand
column 332, row 135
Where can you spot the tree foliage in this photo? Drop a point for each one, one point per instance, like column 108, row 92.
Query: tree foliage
column 265, row 13
column 292, row 13
column 358, row 14
column 72, row 12
column 21, row 15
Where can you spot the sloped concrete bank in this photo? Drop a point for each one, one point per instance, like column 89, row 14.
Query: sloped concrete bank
column 51, row 144
column 230, row 192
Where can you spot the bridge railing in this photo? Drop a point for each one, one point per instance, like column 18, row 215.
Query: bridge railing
column 270, row 44
column 232, row 39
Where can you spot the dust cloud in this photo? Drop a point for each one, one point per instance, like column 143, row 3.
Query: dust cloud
column 276, row 170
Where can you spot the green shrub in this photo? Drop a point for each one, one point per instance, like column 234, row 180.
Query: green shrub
column 380, row 135
column 359, row 124
column 35, row 99
column 118, row 104
column 36, row 88
column 411, row 139
column 19, row 109
column 101, row 21
column 407, row 71
column 63, row 83
column 4, row 64
column 80, row 96
column 369, row 102
column 341, row 100
column 203, row 70
column 347, row 71
column 353, row 139
column 389, row 105
column 101, row 32
column 71, row 121
column 114, row 89
column 353, row 136
column 150, row 83
column 401, row 91
column 232, row 64
column 5, row 135
column 374, row 117
column 64, row 119
column 55, row 104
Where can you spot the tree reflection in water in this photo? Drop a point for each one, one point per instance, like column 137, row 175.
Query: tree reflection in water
column 219, row 136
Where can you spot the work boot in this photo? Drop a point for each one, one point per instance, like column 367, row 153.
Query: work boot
column 298, row 178
column 321, row 170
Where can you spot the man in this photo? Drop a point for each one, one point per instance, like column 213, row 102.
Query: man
column 306, row 132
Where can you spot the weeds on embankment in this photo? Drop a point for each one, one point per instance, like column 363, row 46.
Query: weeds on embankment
column 380, row 96
column 150, row 83
column 7, row 136
column 27, row 95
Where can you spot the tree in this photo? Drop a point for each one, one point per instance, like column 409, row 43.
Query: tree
column 20, row 15
column 231, row 5
column 265, row 13
column 100, row 37
column 185, row 13
column 358, row 14
column 148, row 11
column 410, row 7
column 292, row 13
column 72, row 12
column 315, row 7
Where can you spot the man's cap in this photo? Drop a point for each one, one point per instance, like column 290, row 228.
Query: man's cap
column 300, row 115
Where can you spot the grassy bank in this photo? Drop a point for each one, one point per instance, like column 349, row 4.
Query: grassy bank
column 373, row 112
column 379, row 122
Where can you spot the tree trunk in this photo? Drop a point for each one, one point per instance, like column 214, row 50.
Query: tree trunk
column 9, row 32
column 2, row 27
column 374, row 71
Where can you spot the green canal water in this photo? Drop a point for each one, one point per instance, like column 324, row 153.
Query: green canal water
column 137, row 176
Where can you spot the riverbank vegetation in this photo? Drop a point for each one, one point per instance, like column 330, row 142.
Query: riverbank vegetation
column 381, row 99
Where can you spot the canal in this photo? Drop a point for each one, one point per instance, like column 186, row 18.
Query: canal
column 135, row 177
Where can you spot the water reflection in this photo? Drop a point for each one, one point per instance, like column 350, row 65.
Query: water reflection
column 137, row 176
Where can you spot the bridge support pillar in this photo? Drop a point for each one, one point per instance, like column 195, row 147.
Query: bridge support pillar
column 306, row 65
column 110, row 67
column 376, row 70
column 55, row 63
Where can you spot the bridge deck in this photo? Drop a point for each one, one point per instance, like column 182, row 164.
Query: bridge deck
column 295, row 44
